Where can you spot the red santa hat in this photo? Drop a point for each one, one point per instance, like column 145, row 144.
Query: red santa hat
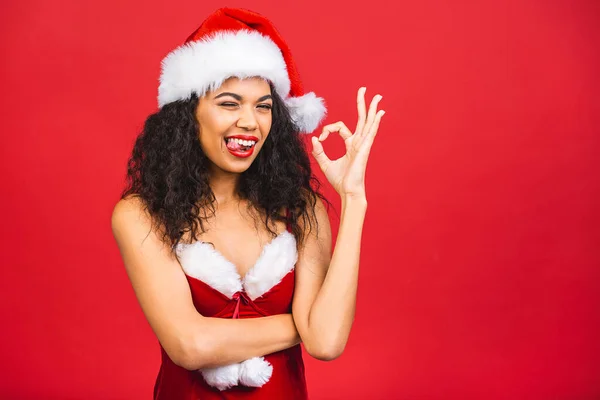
column 237, row 43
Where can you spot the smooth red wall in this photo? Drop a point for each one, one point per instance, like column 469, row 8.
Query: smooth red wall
column 480, row 261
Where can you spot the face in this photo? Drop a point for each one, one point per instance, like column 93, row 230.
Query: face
column 235, row 121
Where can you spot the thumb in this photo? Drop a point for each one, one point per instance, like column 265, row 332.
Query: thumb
column 319, row 153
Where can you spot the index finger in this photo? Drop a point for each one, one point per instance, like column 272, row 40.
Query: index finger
column 362, row 110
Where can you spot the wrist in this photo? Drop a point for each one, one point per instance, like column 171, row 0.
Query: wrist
column 354, row 201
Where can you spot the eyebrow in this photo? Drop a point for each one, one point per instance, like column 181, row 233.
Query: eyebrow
column 239, row 98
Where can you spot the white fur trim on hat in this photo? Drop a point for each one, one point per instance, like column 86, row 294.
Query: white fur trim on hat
column 203, row 65
column 307, row 111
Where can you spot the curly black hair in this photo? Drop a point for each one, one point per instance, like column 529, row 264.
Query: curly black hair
column 168, row 171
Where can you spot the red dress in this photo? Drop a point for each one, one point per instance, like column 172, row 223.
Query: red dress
column 218, row 291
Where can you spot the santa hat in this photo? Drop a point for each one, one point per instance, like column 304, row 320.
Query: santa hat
column 237, row 43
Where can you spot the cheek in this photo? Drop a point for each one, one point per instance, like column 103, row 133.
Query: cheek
column 265, row 122
column 209, row 142
column 213, row 127
column 216, row 121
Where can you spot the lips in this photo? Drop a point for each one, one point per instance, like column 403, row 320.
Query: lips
column 241, row 146
column 243, row 137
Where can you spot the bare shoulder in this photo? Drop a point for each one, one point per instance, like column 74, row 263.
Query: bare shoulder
column 129, row 216
column 128, row 209
column 132, row 225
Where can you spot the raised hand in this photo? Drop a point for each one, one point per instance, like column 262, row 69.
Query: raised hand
column 347, row 174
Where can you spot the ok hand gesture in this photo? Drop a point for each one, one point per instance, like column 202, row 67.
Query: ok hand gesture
column 347, row 174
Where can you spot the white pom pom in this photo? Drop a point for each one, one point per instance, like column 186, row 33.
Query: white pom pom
column 223, row 377
column 307, row 111
column 255, row 372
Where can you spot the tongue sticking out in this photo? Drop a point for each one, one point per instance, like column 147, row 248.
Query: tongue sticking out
column 235, row 146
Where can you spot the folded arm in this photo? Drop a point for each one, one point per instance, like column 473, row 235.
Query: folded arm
column 191, row 340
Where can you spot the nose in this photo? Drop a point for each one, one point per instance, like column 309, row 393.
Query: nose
column 247, row 119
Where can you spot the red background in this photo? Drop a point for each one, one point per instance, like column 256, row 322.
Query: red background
column 480, row 265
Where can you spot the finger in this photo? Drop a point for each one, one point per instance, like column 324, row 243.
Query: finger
column 362, row 110
column 319, row 154
column 337, row 127
column 372, row 112
column 369, row 137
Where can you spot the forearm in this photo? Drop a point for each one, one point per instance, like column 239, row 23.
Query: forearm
column 332, row 313
column 220, row 341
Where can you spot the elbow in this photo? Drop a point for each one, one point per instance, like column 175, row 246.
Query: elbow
column 191, row 354
column 186, row 361
column 324, row 344
column 325, row 352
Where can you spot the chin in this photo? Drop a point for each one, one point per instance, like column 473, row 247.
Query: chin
column 238, row 168
column 235, row 165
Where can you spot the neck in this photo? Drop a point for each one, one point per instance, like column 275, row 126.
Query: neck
column 224, row 186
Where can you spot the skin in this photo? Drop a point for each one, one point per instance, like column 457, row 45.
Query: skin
column 246, row 110
column 325, row 294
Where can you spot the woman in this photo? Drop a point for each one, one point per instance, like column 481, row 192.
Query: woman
column 223, row 233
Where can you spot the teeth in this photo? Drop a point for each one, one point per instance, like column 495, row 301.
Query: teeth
column 242, row 142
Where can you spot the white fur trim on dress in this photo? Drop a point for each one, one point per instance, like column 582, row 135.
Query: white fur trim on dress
column 201, row 261
column 307, row 111
column 203, row 65
column 223, row 377
column 254, row 372
column 277, row 259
